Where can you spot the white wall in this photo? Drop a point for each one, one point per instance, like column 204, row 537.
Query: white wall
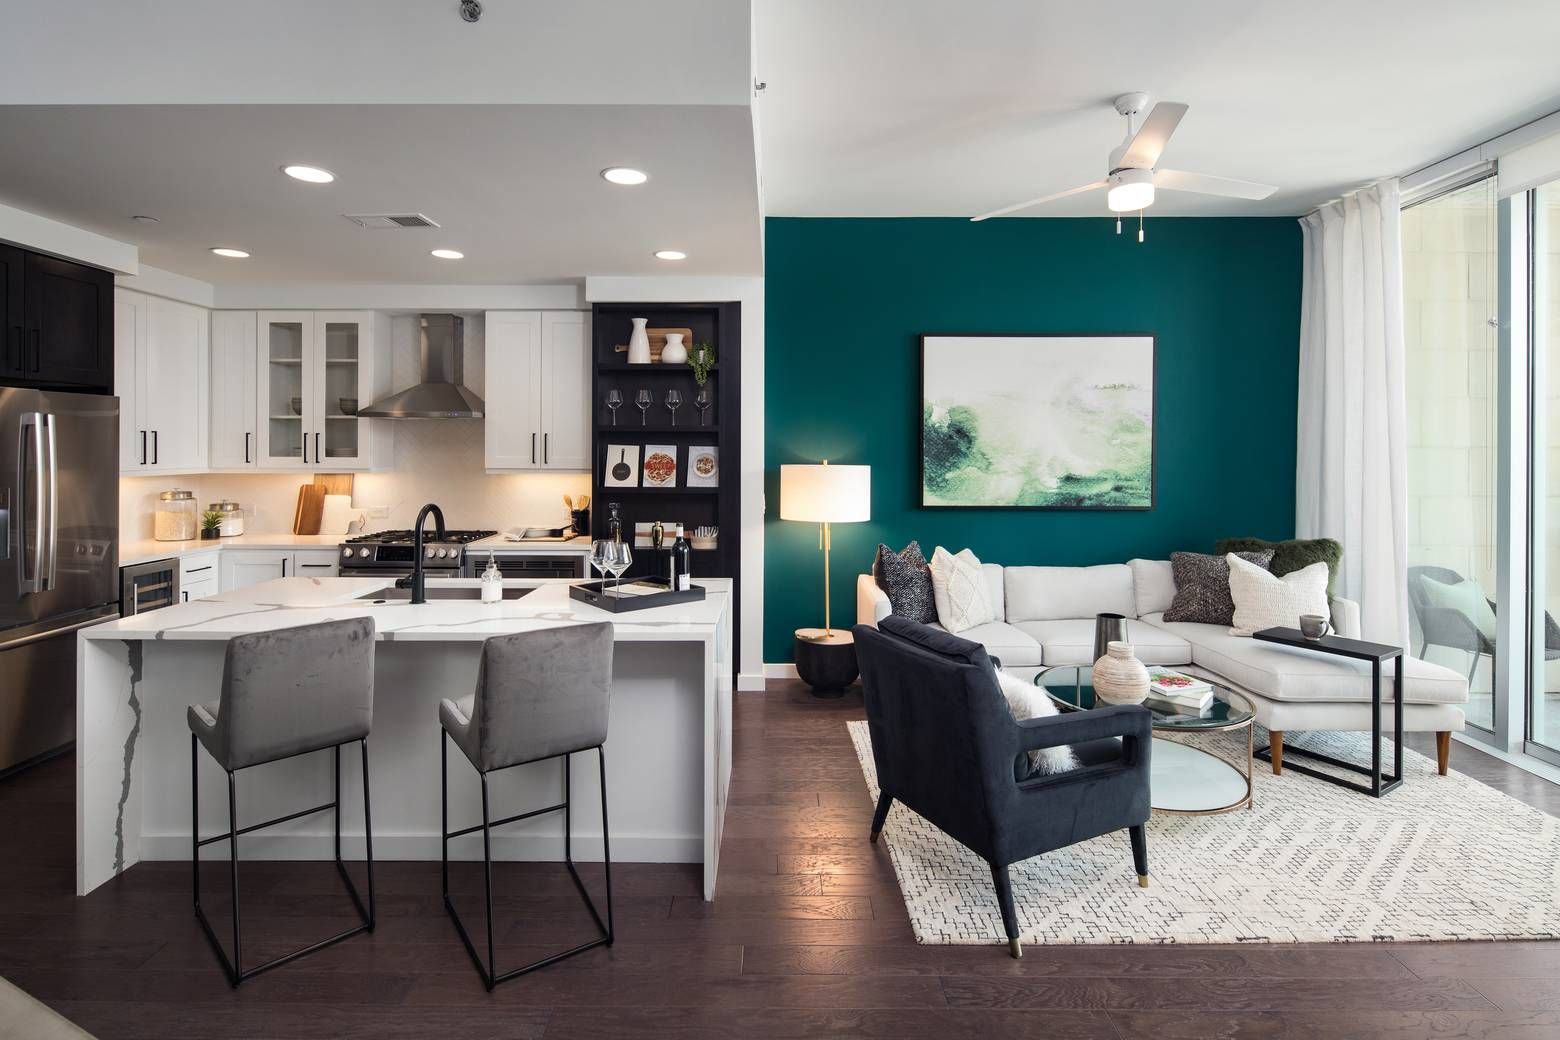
column 750, row 293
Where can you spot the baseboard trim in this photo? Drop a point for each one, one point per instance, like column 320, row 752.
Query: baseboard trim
column 780, row 671
column 750, row 682
column 1526, row 763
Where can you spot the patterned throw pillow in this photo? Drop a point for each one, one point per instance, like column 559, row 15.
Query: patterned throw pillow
column 907, row 580
column 1202, row 586
column 959, row 586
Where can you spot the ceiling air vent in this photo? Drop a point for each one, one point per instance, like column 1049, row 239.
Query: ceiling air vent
column 390, row 220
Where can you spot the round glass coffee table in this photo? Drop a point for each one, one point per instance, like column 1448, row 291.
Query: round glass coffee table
column 1182, row 778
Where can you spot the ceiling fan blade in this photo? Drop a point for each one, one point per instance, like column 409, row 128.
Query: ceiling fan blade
column 1004, row 211
column 1149, row 142
column 1207, row 184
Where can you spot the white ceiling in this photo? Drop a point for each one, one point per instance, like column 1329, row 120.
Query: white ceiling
column 932, row 108
column 516, row 188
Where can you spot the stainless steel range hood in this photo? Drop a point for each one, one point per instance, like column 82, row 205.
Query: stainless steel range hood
column 440, row 395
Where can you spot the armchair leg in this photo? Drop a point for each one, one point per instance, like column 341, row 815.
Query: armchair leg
column 1276, row 748
column 1443, row 751
column 1139, row 836
column 885, row 801
column 999, row 878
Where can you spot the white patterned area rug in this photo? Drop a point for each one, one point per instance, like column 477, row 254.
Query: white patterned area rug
column 1440, row 858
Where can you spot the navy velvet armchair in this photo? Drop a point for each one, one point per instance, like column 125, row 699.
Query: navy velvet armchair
column 947, row 747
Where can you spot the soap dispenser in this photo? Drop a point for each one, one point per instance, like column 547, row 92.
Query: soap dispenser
column 492, row 582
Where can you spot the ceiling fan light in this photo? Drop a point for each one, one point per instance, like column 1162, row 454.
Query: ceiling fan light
column 1130, row 190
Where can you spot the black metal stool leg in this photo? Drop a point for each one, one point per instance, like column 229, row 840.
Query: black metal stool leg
column 606, row 848
column 238, row 970
column 195, row 819
column 487, row 868
column 444, row 814
column 368, row 835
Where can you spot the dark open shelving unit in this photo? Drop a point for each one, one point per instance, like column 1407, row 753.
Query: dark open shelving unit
column 717, row 323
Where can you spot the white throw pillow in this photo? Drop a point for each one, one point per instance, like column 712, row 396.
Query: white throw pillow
column 959, row 588
column 1265, row 600
column 1027, row 701
column 1466, row 598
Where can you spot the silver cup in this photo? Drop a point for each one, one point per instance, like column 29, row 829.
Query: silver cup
column 1108, row 629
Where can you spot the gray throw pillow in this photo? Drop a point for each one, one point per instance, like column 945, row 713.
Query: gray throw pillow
column 907, row 580
column 1202, row 586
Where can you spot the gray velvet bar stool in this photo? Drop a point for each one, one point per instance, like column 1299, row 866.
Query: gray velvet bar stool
column 286, row 693
column 540, row 695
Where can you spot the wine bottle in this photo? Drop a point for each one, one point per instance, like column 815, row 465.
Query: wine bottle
column 614, row 521
column 682, row 563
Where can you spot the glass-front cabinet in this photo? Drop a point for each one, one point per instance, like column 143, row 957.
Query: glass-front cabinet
column 316, row 369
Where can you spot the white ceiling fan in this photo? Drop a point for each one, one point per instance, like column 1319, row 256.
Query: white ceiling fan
column 1134, row 174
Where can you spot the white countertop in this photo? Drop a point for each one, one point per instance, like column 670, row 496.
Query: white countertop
column 288, row 602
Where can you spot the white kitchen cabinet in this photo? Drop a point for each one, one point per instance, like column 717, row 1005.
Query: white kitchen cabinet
column 199, row 576
column 536, row 391
column 234, row 434
column 240, row 568
column 160, row 356
column 314, row 370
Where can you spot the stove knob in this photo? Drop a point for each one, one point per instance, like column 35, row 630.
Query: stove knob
column 364, row 553
column 346, row 552
column 428, row 553
column 443, row 553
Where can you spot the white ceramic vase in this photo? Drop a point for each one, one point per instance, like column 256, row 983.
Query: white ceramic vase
column 639, row 343
column 674, row 353
column 1119, row 677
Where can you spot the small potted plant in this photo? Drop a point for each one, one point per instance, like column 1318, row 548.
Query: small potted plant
column 701, row 359
column 210, row 524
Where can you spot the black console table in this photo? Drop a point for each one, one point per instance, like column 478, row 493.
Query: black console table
column 1359, row 650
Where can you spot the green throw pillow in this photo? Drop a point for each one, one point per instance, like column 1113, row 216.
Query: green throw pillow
column 1466, row 598
column 1292, row 555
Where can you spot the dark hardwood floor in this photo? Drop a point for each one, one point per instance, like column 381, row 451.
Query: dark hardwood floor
column 807, row 938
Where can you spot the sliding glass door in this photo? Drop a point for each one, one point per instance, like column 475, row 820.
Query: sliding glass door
column 1450, row 297
column 1543, row 685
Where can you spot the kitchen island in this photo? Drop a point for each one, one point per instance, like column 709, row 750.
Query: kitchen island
column 668, row 747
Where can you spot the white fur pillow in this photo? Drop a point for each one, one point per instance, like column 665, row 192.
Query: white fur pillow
column 959, row 588
column 1027, row 701
column 1265, row 600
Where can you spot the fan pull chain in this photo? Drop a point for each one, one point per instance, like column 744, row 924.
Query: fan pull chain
column 1118, row 225
column 1140, row 225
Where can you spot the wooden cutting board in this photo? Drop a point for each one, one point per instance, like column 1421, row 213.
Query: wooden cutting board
column 334, row 483
column 311, row 504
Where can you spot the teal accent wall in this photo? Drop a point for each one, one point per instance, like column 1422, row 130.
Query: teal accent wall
column 846, row 301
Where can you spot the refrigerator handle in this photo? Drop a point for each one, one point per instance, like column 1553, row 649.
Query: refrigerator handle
column 30, row 498
column 54, row 502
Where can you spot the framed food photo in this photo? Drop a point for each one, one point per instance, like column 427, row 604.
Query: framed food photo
column 703, row 466
column 1045, row 421
column 621, row 466
column 660, row 466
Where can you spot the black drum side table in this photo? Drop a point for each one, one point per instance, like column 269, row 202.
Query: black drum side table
column 826, row 661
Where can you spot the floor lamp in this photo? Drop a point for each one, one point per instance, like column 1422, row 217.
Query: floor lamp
column 825, row 495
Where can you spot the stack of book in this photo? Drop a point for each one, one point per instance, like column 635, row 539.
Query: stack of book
column 1177, row 692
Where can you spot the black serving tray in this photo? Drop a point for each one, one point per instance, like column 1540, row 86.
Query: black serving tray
column 643, row 594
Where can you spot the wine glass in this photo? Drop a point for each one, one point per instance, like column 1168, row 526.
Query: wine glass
column 702, row 402
column 644, row 399
column 674, row 402
column 600, row 551
column 614, row 402
column 619, row 557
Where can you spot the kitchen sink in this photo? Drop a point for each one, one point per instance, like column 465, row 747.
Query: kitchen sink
column 470, row 595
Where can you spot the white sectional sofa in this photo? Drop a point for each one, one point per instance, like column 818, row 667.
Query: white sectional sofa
column 1048, row 620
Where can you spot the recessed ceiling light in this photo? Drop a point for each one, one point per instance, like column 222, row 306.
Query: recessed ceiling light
column 624, row 175
column 449, row 254
column 312, row 174
column 236, row 254
column 670, row 254
column 142, row 218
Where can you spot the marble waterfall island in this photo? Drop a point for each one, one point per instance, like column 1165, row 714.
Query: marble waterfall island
column 668, row 746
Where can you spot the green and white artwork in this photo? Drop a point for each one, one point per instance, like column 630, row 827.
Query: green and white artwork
column 1038, row 422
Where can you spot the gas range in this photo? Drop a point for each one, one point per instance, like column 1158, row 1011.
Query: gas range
column 391, row 552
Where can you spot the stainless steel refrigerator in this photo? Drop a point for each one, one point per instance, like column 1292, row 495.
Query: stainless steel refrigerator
column 59, row 557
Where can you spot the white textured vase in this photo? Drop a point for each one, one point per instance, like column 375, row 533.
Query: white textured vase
column 1119, row 677
column 674, row 353
column 639, row 343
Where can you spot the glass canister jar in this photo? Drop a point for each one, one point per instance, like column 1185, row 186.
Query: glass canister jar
column 177, row 517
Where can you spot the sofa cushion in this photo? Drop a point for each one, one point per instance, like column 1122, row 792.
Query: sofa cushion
column 1060, row 593
column 1002, row 641
column 1072, row 642
column 1153, row 585
column 1283, row 673
column 1202, row 587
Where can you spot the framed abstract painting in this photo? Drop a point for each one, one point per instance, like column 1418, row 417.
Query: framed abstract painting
column 1037, row 421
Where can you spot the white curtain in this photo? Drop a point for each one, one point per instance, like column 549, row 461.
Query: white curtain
column 1352, row 451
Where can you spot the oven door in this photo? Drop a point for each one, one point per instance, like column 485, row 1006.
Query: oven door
column 388, row 573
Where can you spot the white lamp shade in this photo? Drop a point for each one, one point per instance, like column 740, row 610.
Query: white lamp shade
column 826, row 494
